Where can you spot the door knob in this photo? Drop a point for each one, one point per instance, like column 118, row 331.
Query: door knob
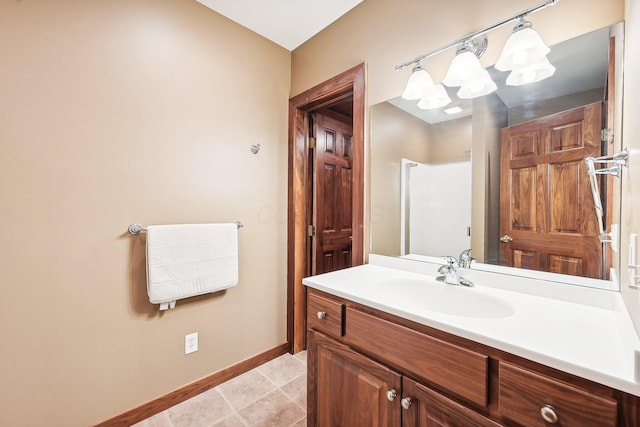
column 391, row 395
column 506, row 238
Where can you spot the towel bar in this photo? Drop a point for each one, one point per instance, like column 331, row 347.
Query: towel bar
column 137, row 228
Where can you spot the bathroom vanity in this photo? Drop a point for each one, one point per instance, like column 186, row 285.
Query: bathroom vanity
column 391, row 347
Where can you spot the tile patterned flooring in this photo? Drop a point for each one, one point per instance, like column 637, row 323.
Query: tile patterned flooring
column 271, row 395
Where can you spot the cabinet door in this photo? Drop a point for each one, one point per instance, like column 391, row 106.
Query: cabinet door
column 347, row 389
column 427, row 408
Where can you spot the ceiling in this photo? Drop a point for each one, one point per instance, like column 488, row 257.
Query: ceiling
column 288, row 23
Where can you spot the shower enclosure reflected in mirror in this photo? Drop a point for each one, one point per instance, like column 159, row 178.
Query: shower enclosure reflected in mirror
column 589, row 73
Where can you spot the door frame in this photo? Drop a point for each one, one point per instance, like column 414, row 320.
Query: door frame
column 299, row 183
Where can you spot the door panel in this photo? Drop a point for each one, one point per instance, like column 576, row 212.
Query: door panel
column 523, row 200
column 525, row 259
column 564, row 180
column 565, row 265
column 525, row 144
column 546, row 205
column 333, row 195
column 350, row 389
column 566, row 136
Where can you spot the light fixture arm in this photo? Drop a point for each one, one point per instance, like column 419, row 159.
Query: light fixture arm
column 462, row 40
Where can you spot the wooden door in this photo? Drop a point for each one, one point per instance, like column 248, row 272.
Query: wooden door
column 350, row 390
column 431, row 409
column 547, row 215
column 332, row 202
column 347, row 86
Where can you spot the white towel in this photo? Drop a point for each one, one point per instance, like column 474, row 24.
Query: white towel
column 190, row 259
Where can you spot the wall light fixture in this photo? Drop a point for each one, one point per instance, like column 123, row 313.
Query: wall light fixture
column 434, row 96
column 524, row 55
column 418, row 82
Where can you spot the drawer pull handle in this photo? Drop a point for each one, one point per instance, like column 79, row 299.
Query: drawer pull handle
column 549, row 414
column 391, row 395
column 406, row 403
column 322, row 315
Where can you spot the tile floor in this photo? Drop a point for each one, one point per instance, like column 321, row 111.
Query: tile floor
column 271, row 395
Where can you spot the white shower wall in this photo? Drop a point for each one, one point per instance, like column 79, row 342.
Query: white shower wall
column 438, row 205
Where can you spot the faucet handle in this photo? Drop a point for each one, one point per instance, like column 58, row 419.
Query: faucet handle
column 451, row 261
column 444, row 269
column 466, row 259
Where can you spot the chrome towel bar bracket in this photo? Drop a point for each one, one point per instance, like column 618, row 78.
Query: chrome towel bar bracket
column 137, row 228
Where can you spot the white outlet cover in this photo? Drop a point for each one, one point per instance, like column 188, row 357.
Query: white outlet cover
column 191, row 343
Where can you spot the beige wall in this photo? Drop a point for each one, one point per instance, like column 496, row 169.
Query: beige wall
column 533, row 110
column 631, row 139
column 122, row 111
column 398, row 135
column 136, row 111
column 384, row 34
column 489, row 117
column 387, row 33
column 450, row 141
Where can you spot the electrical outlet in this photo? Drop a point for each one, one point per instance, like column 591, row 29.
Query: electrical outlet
column 191, row 343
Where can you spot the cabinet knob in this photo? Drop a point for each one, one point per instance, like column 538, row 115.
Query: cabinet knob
column 322, row 315
column 406, row 403
column 549, row 414
column 391, row 395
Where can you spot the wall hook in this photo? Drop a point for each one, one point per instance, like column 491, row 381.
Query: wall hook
column 255, row 148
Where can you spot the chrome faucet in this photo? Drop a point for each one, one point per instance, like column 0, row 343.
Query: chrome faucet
column 450, row 273
column 465, row 259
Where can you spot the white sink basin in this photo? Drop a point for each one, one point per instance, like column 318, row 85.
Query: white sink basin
column 443, row 298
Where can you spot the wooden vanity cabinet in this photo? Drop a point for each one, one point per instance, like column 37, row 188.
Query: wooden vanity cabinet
column 350, row 389
column 368, row 368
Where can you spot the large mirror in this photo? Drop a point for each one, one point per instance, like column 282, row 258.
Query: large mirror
column 436, row 174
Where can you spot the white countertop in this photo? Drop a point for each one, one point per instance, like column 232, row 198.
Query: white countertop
column 582, row 331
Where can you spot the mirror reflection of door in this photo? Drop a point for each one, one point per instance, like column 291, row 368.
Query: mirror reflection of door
column 547, row 216
column 332, row 194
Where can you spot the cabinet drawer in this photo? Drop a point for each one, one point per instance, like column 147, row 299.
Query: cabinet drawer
column 324, row 315
column 452, row 368
column 523, row 395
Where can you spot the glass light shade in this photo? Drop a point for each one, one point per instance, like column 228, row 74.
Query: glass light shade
column 479, row 85
column 531, row 73
column 462, row 68
column 418, row 82
column 434, row 97
column 522, row 48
